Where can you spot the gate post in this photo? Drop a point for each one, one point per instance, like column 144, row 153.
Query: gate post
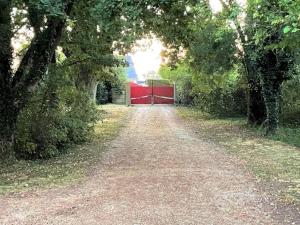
column 127, row 94
column 152, row 95
column 174, row 95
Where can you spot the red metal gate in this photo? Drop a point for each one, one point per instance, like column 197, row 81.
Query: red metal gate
column 152, row 92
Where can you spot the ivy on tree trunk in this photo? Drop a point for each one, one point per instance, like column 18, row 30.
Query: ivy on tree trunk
column 271, row 93
column 256, row 104
column 256, row 110
column 7, row 109
column 272, row 71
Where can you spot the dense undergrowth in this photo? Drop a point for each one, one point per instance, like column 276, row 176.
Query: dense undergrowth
column 57, row 117
column 225, row 94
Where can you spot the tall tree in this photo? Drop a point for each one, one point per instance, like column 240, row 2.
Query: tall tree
column 17, row 87
column 7, row 109
column 256, row 108
column 274, row 61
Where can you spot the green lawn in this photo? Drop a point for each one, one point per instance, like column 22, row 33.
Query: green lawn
column 66, row 168
column 274, row 160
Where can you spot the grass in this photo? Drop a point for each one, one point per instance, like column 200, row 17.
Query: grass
column 289, row 135
column 66, row 168
column 274, row 160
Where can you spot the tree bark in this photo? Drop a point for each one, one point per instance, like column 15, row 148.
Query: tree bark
column 15, row 90
column 272, row 70
column 36, row 61
column 8, row 120
column 93, row 90
column 256, row 109
column 87, row 82
column 109, row 92
column 7, row 109
column 271, row 92
column 256, row 112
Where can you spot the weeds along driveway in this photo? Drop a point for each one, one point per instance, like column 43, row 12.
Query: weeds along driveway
column 155, row 172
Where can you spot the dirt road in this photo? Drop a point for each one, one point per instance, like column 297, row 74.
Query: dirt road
column 156, row 172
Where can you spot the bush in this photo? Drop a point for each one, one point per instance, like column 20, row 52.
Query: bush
column 182, row 77
column 290, row 104
column 223, row 102
column 221, row 94
column 113, row 82
column 57, row 117
column 102, row 94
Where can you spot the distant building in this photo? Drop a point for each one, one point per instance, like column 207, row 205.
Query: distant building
column 131, row 72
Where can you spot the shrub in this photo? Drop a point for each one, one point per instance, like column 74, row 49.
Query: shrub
column 102, row 94
column 223, row 102
column 182, row 77
column 57, row 117
column 113, row 81
column 290, row 104
column 183, row 89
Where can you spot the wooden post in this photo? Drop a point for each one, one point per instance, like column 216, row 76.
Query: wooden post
column 152, row 97
column 174, row 93
column 127, row 95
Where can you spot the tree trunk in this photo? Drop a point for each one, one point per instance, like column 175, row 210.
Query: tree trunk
column 271, row 75
column 271, row 92
column 8, row 120
column 7, row 109
column 15, row 90
column 109, row 92
column 38, row 57
column 36, row 61
column 256, row 109
column 86, row 82
column 93, row 90
column 256, row 112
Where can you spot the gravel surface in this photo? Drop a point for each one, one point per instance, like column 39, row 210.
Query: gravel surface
column 156, row 172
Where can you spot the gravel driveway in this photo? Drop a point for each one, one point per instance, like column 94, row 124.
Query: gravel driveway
column 156, row 172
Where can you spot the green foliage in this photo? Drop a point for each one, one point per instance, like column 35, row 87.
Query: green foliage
column 48, row 7
column 290, row 102
column 224, row 96
column 273, row 60
column 223, row 102
column 57, row 117
column 213, row 47
column 25, row 175
column 182, row 77
column 283, row 14
column 90, row 31
column 207, row 78
column 102, row 94
column 112, row 81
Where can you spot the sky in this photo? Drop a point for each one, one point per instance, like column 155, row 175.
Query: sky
column 146, row 58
